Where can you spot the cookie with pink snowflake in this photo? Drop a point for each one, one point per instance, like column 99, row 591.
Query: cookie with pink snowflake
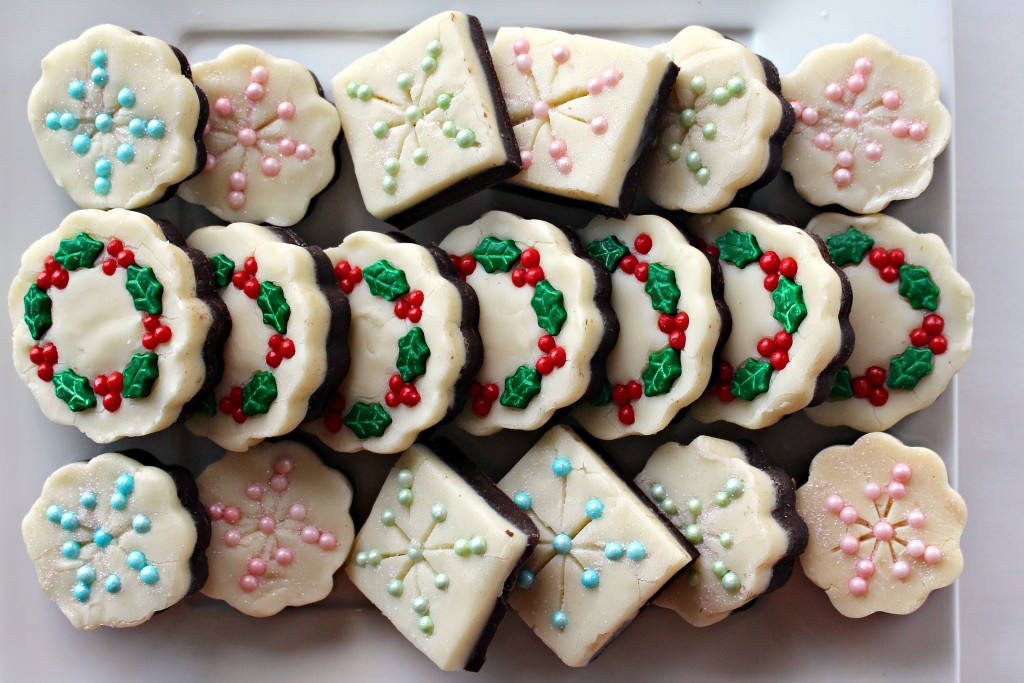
column 584, row 111
column 269, row 140
column 884, row 525
column 869, row 124
column 281, row 527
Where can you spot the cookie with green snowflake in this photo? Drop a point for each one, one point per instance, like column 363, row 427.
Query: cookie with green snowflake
column 740, row 514
column 117, row 118
column 913, row 315
column 546, row 321
column 117, row 327
column 790, row 308
column 439, row 554
column 425, row 121
column 414, row 325
column 720, row 135
column 288, row 347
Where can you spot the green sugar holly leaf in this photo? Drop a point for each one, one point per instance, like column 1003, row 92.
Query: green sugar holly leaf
column 603, row 396
column 208, row 406
column 751, row 379
column 740, row 248
column 258, row 393
column 384, row 280
column 549, row 305
column 520, row 388
column 842, row 387
column 849, row 247
column 907, row 369
column 368, row 420
column 147, row 292
column 74, row 390
column 917, row 287
column 663, row 369
column 413, row 353
column 494, row 254
column 790, row 309
column 139, row 375
column 662, row 289
column 80, row 252
column 223, row 269
column 274, row 306
column 37, row 311
column 608, row 251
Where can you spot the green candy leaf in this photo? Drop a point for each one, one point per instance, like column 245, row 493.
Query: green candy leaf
column 751, row 379
column 663, row 369
column 549, row 305
column 139, row 376
column 740, row 248
column 259, row 393
column 907, row 369
column 276, row 310
column 520, row 388
column 223, row 269
column 842, row 387
column 849, row 247
column 147, row 292
column 603, row 396
column 37, row 311
column 208, row 406
column 662, row 289
column 608, row 251
column 413, row 353
column 917, row 287
column 790, row 309
column 384, row 280
column 74, row 390
column 80, row 252
column 368, row 420
column 494, row 254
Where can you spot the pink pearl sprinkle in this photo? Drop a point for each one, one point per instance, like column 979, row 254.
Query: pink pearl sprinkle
column 248, row 583
column 849, row 544
column 873, row 151
column 279, row 482
column 833, row 91
column 882, row 530
column 862, row 66
column 848, row 515
column 236, row 199
column 328, row 541
column 809, row 116
column 303, row 152
column 856, row 83
column 899, row 128
column 271, row 167
column 594, row 86
column 524, row 63
column 564, row 165
column 599, row 125
column 211, row 162
column 611, row 77
column 823, row 141
column 557, row 149
column 257, row 566
column 901, row 472
column 842, row 177
column 223, row 107
column 858, row 586
column 254, row 92
column 215, row 511
column 283, row 556
column 844, row 158
column 918, row 131
column 900, row 570
column 284, row 465
column 232, row 515
column 526, row 157
column 207, row 128
column 233, row 537
column 915, row 518
column 247, row 137
column 540, row 110
column 834, row 503
column 872, row 490
column 286, row 110
column 309, row 534
column 297, row 512
column 521, row 46
column 915, row 548
column 864, row 568
column 286, row 146
column 896, row 490
column 798, row 108
column 892, row 99
column 932, row 555
column 254, row 491
column 259, row 74
column 267, row 524
column 237, row 180
column 852, row 118
column 560, row 54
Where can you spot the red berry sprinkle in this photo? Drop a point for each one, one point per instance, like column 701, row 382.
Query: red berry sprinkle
column 112, row 402
column 239, row 279
column 236, row 395
column 875, row 375
column 346, row 285
column 150, row 322
column 725, row 373
column 769, row 262
column 412, row 397
column 356, row 275
column 771, row 282
column 519, row 277
column 274, row 358
column 115, row 247
column 534, row 275
column 149, row 341
column 333, row 422
column 878, row 257
column 35, row 354
column 666, row 323
column 713, row 251
column 162, row 334
column 100, row 386
column 44, row 280
column 467, row 265
column 415, row 313
column 252, row 288
column 641, row 273
column 635, row 389
column 238, row 416
column 251, row 266
column 404, row 393
column 401, row 309
column 45, row 372
column 787, row 267
column 50, row 353
column 125, row 258
column 275, row 341
column 779, row 360
column 391, row 399
column 889, row 273
column 682, row 321
column 395, row 383
column 643, row 243
column 287, row 348
column 115, row 381
column 416, row 297
column 544, row 365
column 491, row 393
column 546, row 343
column 109, row 266
column 783, row 340
column 60, row 278
column 919, row 337
column 724, row 392
column 766, row 346
column 628, row 264
column 896, row 257
column 620, row 394
column 626, row 415
column 860, row 387
column 530, row 258
column 938, row 345
column 878, row 396
column 557, row 356
column 226, row 406
column 342, row 270
column 933, row 323
column 677, row 340
column 481, row 407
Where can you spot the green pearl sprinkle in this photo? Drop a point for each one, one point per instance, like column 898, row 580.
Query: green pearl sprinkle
column 413, row 113
column 693, row 160
column 669, row 508
column 478, row 545
column 373, row 557
column 405, row 81
column 395, row 587
column 726, row 539
column 465, row 138
column 731, row 582
column 703, row 175
column 352, row 89
column 360, row 559
column 387, row 517
column 674, row 151
column 658, row 492
column 449, row 129
column 391, row 166
column 734, row 487
column 426, row 624
column 693, row 533
column 439, row 512
column 722, row 499
column 720, row 96
column 698, row 85
column 694, row 506
column 736, row 86
column 390, row 186
column 420, row 605
column 693, row 578
column 709, row 130
column 364, row 92
column 719, row 569
column 434, row 48
column 429, row 65
column 444, row 100
column 461, row 547
column 405, row 478
column 405, row 495
column 380, row 129
column 687, row 117
column 441, row 582
column 420, row 156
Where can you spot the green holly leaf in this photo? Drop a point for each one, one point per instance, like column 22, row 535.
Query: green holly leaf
column 751, row 379
column 790, row 309
column 849, row 247
column 603, row 396
column 662, row 289
column 74, row 390
column 917, row 287
column 208, row 406
column 276, row 310
column 384, row 280
column 549, row 305
column 223, row 269
column 663, row 369
column 147, row 292
column 139, row 375
column 520, row 388
column 368, row 420
column 37, row 311
column 80, row 252
column 413, row 353
column 608, row 251
column 494, row 254
column 842, row 387
column 740, row 248
column 907, row 369
column 258, row 393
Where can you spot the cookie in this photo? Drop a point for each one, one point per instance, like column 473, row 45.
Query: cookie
column 289, row 326
column 545, row 319
column 884, row 525
column 269, row 141
column 720, row 136
column 667, row 296
column 117, row 329
column 117, row 538
column 117, row 118
column 281, row 527
column 869, row 125
column 424, row 120
column 740, row 514
column 584, row 110
column 439, row 554
column 414, row 325
column 604, row 550
column 913, row 316
column 786, row 357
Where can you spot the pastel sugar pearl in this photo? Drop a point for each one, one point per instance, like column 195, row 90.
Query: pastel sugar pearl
column 872, row 490
column 882, row 530
column 856, row 83
column 865, row 568
column 932, row 555
column 223, row 107
column 247, row 137
column 844, row 158
column 254, row 92
column 286, row 146
column 283, row 556
column 279, row 482
column 232, row 515
column 524, row 63
column 286, row 110
column 248, row 583
column 809, row 115
column 254, row 491
column 863, row 66
column 526, row 157
column 915, row 518
column 848, row 515
column 271, row 167
column 823, row 141
column 309, row 534
column 900, row 569
column 901, row 473
column 834, row 91
column 297, row 512
column 259, row 74
column 557, row 149
column 873, row 151
column 892, row 99
column 560, row 53
column 858, row 586
column 232, row 537
column 267, row 524
column 521, row 46
column 896, row 490
column 257, row 566
column 915, row 548
column 540, row 109
column 852, row 118
column 849, row 544
column 834, row 503
column 842, row 177
column 599, row 125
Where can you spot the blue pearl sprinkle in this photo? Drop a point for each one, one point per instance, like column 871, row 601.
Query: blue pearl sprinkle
column 103, row 168
column 77, row 89
column 118, row 501
column 126, row 98
column 104, row 122
column 113, row 584
column 102, row 538
column 137, row 128
column 70, row 549
column 101, row 185
column 636, row 551
column 613, row 551
column 52, row 120
column 141, row 524
column 149, row 575
column 53, row 513
column 125, row 152
column 595, row 508
column 590, row 578
column 99, row 76
column 560, row 620
column 136, row 560
column 525, row 578
column 155, row 128
column 125, row 484
column 523, row 500
column 68, row 121
column 69, row 521
column 562, row 544
column 86, row 574
column 98, row 58
column 81, row 592
column 88, row 499
column 81, row 143
column 561, row 467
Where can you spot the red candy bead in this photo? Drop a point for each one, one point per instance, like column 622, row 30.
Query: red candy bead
column 530, row 258
column 769, row 262
column 100, row 386
column 239, row 279
column 395, row 383
column 346, row 286
column 356, row 276
column 933, row 323
column 416, row 297
column 481, row 407
column 771, row 282
column 682, row 321
column 641, row 273
column 391, row 399
column 779, row 360
column 109, row 266
column 238, row 416
column 50, row 353
column 677, row 340
column 333, row 422
column 273, row 359
column 115, row 381
column 628, row 264
column 50, row 264
column 251, row 266
column 766, row 346
column 226, row 406
column 342, row 270
column 620, row 394
column 115, row 247
column 44, row 280
column 149, row 341
column 860, row 387
column 112, row 402
column 713, row 251
column 415, row 313
column 35, row 354
column 875, row 375
column 889, row 273
column 546, row 343
column 401, row 309
column 919, row 337
column 643, row 243
column 878, row 257
column 519, row 277
column 534, row 275
column 150, row 322
column 557, row 356
column 467, row 265
column 162, row 334
column 252, row 288
column 725, row 372
column 125, row 258
column 60, row 278
column 275, row 341
column 896, row 257
column 404, row 393
column 412, row 397
column 666, row 323
column 287, row 348
column 878, row 396
column 44, row 372
column 544, row 365
column 236, row 395
column 626, row 415
column 724, row 393
column 787, row 267
column 491, row 393
column 635, row 389
column 783, row 340
column 938, row 345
